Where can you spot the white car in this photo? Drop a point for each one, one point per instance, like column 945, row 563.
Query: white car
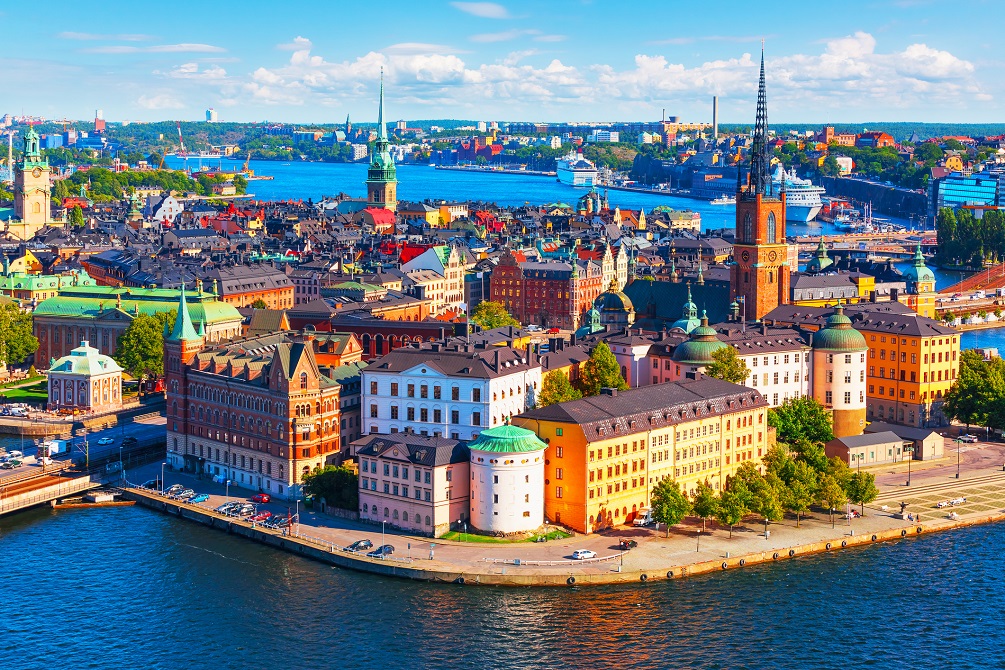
column 106, row 440
column 967, row 438
column 583, row 554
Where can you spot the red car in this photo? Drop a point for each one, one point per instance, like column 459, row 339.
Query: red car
column 260, row 517
column 553, row 331
column 261, row 498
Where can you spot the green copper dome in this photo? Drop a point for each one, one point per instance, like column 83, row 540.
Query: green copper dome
column 918, row 272
column 699, row 349
column 820, row 260
column 838, row 334
column 689, row 319
column 507, row 440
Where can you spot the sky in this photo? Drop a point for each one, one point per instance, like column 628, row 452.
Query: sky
column 545, row 60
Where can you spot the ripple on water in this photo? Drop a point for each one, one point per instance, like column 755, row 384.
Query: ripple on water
column 126, row 587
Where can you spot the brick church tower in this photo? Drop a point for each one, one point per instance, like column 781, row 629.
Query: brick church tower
column 759, row 276
column 180, row 348
column 381, row 178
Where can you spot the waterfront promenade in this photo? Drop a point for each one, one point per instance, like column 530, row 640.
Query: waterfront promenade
column 684, row 552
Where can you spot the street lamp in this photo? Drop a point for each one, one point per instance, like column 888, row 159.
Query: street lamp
column 959, row 447
column 697, row 546
column 228, row 490
column 122, row 473
column 162, row 477
column 910, row 457
column 382, row 523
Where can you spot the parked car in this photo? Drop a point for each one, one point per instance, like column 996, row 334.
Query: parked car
column 360, row 545
column 260, row 517
column 227, row 506
column 106, row 440
column 626, row 544
column 185, row 494
column 130, row 442
column 278, row 521
column 201, row 498
column 44, row 460
column 15, row 454
column 554, row 331
column 583, row 554
column 261, row 498
column 11, row 464
column 381, row 552
column 967, row 438
column 174, row 489
column 152, row 484
column 644, row 517
column 247, row 509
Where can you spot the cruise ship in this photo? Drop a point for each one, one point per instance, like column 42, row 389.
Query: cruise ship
column 802, row 198
column 574, row 170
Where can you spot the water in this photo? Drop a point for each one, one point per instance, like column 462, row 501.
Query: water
column 131, row 588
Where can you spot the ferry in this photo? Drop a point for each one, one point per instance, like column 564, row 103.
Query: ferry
column 724, row 200
column 574, row 170
column 802, row 197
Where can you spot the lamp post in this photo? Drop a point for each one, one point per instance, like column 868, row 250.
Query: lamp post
column 959, row 447
column 122, row 473
column 162, row 477
column 227, row 484
column 697, row 546
column 910, row 457
column 382, row 523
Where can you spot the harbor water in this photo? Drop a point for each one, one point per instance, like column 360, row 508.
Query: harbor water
column 128, row 587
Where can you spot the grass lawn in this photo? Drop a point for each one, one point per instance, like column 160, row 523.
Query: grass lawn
column 34, row 393
column 456, row 536
column 23, row 381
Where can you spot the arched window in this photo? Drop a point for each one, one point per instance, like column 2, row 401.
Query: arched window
column 771, row 228
column 303, row 381
column 387, row 512
column 427, row 520
column 748, row 228
column 404, row 516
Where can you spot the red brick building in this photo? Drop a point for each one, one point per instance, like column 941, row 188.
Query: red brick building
column 549, row 293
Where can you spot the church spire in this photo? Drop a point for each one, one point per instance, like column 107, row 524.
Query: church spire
column 183, row 329
column 382, row 130
column 760, row 158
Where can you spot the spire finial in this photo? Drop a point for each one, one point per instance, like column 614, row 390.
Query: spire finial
column 381, row 130
column 760, row 179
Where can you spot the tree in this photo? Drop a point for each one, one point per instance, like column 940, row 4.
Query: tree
column 778, row 461
column 831, row 495
column 489, row 314
column 801, row 418
column 978, row 389
column 336, row 486
column 811, row 453
column 704, row 503
column 669, row 505
column 140, row 349
column 726, row 365
column 862, row 489
column 259, row 304
column 761, row 495
column 801, row 490
column 601, row 371
column 16, row 340
column 556, row 388
column 731, row 509
column 77, row 217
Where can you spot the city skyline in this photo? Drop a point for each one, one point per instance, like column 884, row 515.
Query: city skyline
column 873, row 61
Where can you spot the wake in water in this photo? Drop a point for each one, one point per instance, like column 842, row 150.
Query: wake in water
column 216, row 553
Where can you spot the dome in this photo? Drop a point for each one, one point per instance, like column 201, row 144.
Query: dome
column 838, row 334
column 507, row 440
column 699, row 349
column 918, row 272
column 85, row 360
column 613, row 300
column 689, row 319
column 820, row 260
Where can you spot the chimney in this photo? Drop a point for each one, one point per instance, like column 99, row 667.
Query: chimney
column 611, row 391
column 715, row 118
column 894, row 294
column 435, row 346
column 764, row 327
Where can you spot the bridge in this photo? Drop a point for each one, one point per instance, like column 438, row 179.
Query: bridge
column 18, row 493
column 988, row 279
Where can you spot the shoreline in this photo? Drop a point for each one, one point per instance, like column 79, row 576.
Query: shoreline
column 514, row 574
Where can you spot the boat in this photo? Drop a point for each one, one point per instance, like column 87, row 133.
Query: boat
column 724, row 200
column 574, row 170
column 802, row 196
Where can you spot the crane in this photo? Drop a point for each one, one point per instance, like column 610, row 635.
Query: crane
column 181, row 141
column 247, row 160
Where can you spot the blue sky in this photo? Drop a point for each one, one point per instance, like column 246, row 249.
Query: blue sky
column 879, row 60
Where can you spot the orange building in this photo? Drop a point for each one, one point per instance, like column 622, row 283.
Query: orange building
column 606, row 453
column 242, row 285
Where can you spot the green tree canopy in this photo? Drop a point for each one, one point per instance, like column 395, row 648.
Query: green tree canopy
column 16, row 340
column 831, row 495
column 862, row 489
column 801, row 490
column 337, row 486
column 140, row 349
column 259, row 304
column 490, row 314
column 801, row 418
column 704, row 502
column 669, row 505
column 728, row 366
column 731, row 508
column 77, row 217
column 556, row 388
column 977, row 397
column 601, row 371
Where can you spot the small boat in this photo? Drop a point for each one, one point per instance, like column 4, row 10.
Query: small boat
column 725, row 200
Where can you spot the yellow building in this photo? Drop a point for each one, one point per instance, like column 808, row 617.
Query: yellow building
column 606, row 453
column 32, row 189
column 420, row 214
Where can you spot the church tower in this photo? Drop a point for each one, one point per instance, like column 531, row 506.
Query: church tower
column 31, row 189
column 180, row 348
column 760, row 271
column 381, row 180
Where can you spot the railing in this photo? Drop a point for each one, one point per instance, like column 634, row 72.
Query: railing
column 566, row 562
column 45, row 495
column 56, row 469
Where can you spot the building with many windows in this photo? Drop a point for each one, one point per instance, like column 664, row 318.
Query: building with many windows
column 957, row 189
column 257, row 411
column 449, row 390
column 606, row 453
column 549, row 293
column 85, row 381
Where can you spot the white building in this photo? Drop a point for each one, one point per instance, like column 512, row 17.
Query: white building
column 604, row 136
column 453, row 391
column 211, row 116
column 85, row 381
column 507, row 480
column 448, row 263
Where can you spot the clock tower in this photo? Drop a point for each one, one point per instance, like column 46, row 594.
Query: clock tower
column 31, row 189
column 759, row 276
column 381, row 178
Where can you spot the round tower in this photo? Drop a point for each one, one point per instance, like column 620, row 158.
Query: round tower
column 839, row 361
column 507, row 480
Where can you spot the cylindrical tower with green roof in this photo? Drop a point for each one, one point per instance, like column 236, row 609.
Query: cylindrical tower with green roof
column 507, row 480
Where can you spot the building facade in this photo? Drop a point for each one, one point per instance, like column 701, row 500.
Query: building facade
column 85, row 381
column 547, row 294
column 507, row 480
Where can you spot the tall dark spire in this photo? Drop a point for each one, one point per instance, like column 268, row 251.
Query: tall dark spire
column 760, row 156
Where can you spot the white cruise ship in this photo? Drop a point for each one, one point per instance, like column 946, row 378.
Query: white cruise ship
column 802, row 198
column 574, row 170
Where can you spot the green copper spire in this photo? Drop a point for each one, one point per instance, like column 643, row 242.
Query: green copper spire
column 183, row 329
column 381, row 173
column 381, row 129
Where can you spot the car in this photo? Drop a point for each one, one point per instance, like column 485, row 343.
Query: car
column 201, row 498
column 360, row 545
column 583, row 554
column 381, row 552
column 227, row 506
column 152, row 484
column 261, row 498
column 260, row 517
column 627, row 544
column 247, row 509
column 14, row 454
column 967, row 438
column 185, row 494
column 174, row 489
column 130, row 442
column 278, row 521
column 44, row 460
column 533, row 328
column 106, row 440
column 11, row 464
column 554, row 331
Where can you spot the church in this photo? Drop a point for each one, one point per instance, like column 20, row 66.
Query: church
column 32, row 191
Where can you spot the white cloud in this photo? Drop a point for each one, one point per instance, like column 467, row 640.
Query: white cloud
column 485, row 10
column 70, row 35
column 297, row 44
column 406, row 48
column 515, row 33
column 213, row 73
column 159, row 48
column 161, row 101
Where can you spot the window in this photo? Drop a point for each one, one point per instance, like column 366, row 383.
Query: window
column 411, row 390
column 558, row 491
column 558, row 432
column 423, row 414
column 410, row 413
column 476, row 395
column 394, row 411
column 373, row 388
column 455, row 393
column 425, row 478
column 829, row 397
column 455, row 416
column 847, row 358
column 437, row 393
column 772, row 226
column 559, row 473
column 423, row 391
column 559, row 452
column 437, row 416
column 847, row 397
column 373, row 411
column 394, row 388
column 449, row 475
column 476, row 418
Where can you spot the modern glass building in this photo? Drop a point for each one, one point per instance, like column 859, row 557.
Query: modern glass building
column 956, row 189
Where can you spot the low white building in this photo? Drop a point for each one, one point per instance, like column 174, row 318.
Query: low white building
column 507, row 480
column 85, row 381
column 454, row 391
